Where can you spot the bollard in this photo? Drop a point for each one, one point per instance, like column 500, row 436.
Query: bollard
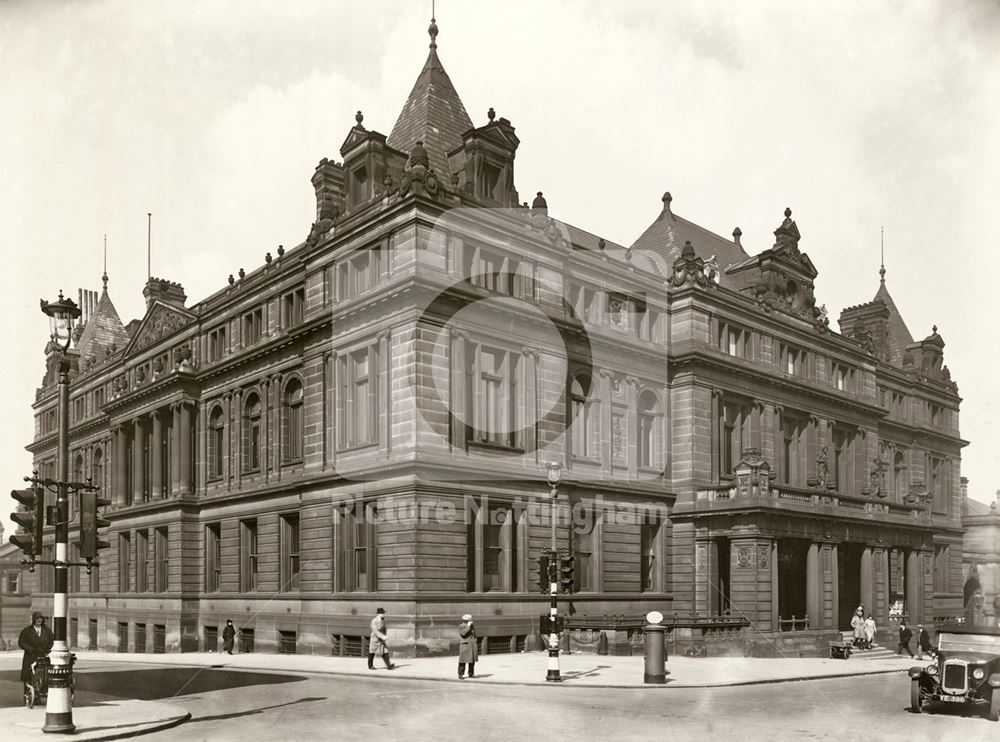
column 602, row 644
column 656, row 656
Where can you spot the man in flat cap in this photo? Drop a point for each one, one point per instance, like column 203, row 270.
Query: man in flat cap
column 36, row 641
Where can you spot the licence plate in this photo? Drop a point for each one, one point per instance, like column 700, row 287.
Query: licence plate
column 954, row 699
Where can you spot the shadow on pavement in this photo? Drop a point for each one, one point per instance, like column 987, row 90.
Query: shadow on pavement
column 153, row 684
column 250, row 712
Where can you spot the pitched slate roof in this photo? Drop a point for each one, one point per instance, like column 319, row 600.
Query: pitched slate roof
column 103, row 329
column 432, row 114
column 665, row 239
column 899, row 334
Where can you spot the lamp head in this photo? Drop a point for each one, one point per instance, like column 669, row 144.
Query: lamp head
column 553, row 472
column 62, row 315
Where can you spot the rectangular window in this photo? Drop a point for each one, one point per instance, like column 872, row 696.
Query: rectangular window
column 649, row 549
column 141, row 560
column 503, row 274
column 217, row 344
column 289, row 548
column 794, row 432
column 735, row 341
column 734, row 432
column 359, row 388
column 74, row 572
column 248, row 556
column 354, row 553
column 94, row 578
column 792, row 360
column 492, row 551
column 246, row 640
column 124, row 562
column 211, row 638
column 140, row 638
column 841, row 465
column 122, row 636
column 162, row 567
column 293, row 308
column 98, row 399
column 583, row 551
column 286, row 642
column 496, row 397
column 159, row 638
column 939, row 488
column 253, row 326
column 213, row 557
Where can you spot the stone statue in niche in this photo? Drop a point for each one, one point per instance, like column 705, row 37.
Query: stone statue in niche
column 822, row 468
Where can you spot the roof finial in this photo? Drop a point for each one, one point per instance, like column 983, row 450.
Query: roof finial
column 104, row 276
column 881, row 271
column 433, row 28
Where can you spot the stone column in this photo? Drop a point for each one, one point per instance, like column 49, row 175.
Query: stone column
column 607, row 404
column 835, row 586
column 914, row 574
column 156, row 456
column 185, row 457
column 121, row 466
column 138, row 461
column 175, row 450
column 632, row 395
column 715, row 435
column 529, row 415
column 867, row 584
column 813, row 587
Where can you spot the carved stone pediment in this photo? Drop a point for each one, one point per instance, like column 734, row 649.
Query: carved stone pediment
column 159, row 322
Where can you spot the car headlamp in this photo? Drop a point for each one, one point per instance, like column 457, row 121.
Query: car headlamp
column 979, row 673
column 932, row 669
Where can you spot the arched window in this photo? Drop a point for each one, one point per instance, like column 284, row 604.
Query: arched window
column 899, row 476
column 97, row 470
column 251, row 433
column 650, row 428
column 216, row 444
column 582, row 416
column 291, row 425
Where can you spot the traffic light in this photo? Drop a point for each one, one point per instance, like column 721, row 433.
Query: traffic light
column 543, row 570
column 90, row 523
column 567, row 581
column 30, row 518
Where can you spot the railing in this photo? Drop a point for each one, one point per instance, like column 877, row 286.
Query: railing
column 793, row 623
column 810, row 497
column 623, row 622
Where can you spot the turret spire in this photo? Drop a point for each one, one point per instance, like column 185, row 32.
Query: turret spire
column 104, row 275
column 881, row 271
column 433, row 28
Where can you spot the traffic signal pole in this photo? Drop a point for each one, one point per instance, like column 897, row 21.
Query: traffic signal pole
column 59, row 706
column 553, row 670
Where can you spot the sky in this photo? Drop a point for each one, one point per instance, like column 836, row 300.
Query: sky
column 212, row 116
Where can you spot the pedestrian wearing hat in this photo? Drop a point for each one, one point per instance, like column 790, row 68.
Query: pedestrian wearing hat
column 228, row 637
column 468, row 651
column 924, row 643
column 378, row 643
column 36, row 641
column 904, row 640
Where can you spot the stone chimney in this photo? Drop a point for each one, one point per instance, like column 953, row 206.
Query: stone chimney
column 160, row 289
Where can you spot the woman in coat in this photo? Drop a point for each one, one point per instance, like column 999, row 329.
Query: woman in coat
column 468, row 651
column 36, row 641
column 858, row 624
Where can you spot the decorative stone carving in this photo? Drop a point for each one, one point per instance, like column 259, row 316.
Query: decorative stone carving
column 702, row 557
column 618, row 436
column 762, row 553
column 690, row 270
column 744, row 556
column 160, row 323
column 822, row 469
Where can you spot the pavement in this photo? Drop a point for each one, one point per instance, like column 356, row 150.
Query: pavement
column 116, row 718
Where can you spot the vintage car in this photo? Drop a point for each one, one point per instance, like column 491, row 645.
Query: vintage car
column 966, row 671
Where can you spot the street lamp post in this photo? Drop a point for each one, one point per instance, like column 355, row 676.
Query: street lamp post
column 59, row 706
column 554, row 470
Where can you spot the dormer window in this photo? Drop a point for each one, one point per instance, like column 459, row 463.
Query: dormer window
column 490, row 178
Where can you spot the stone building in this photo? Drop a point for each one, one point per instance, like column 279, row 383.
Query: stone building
column 366, row 420
column 981, row 560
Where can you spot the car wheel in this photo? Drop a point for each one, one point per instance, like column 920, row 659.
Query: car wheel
column 994, row 712
column 847, row 654
column 915, row 698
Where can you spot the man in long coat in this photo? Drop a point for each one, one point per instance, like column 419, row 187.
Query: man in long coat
column 377, row 644
column 228, row 637
column 36, row 641
column 468, row 651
